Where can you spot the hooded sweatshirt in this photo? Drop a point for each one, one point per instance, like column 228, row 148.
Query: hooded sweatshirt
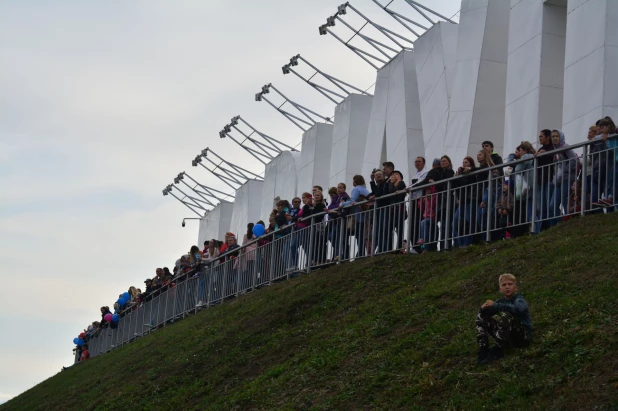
column 564, row 170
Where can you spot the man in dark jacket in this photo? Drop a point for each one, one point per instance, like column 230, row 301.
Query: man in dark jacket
column 379, row 188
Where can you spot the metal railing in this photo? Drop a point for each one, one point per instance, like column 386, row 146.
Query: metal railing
column 478, row 206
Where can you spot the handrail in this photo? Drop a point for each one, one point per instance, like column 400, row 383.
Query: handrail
column 291, row 228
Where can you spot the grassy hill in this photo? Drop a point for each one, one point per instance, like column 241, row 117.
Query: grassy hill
column 394, row 332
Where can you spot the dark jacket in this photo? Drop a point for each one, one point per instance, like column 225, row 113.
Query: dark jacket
column 598, row 160
column 433, row 174
column 281, row 222
column 469, row 189
column 380, row 190
column 230, row 253
column 545, row 174
column 313, row 211
column 393, row 189
column 495, row 157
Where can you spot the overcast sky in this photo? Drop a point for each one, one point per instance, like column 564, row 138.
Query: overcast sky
column 101, row 105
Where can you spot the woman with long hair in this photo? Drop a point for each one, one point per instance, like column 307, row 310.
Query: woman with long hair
column 523, row 176
column 564, row 174
column 247, row 258
column 466, row 200
column 484, row 202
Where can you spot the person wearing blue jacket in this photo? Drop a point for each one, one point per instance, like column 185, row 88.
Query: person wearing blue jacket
column 507, row 320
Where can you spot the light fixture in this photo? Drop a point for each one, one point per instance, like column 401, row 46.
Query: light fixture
column 189, row 218
column 322, row 29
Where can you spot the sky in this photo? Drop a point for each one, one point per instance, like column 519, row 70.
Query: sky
column 101, row 105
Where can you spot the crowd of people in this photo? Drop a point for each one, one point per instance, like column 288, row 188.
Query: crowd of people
column 472, row 193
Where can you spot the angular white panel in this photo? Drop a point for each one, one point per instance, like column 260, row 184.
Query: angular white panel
column 467, row 5
column 584, row 36
column 522, row 121
column 535, row 71
column 247, row 207
column 216, row 223
column 352, row 118
column 462, row 98
column 478, row 97
column 315, row 157
column 404, row 133
column 375, row 139
column 610, row 80
column 591, row 62
column 524, row 63
column 526, row 22
column 471, row 33
column 280, row 179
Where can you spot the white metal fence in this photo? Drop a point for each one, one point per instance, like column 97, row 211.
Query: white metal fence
column 478, row 206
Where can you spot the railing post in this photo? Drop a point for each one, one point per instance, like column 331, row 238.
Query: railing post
column 343, row 221
column 224, row 281
column 271, row 261
column 411, row 219
column 208, row 278
column 490, row 191
column 184, row 304
column 534, row 195
column 374, row 227
column 584, row 177
column 447, row 229
column 238, row 273
column 310, row 253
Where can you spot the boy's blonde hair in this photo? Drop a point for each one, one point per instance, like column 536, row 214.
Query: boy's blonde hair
column 507, row 276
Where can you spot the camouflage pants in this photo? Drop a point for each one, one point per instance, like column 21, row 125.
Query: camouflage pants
column 504, row 328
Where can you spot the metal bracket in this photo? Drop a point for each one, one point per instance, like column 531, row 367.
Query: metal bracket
column 231, row 174
column 263, row 152
column 168, row 190
column 397, row 42
column 208, row 192
column 341, row 85
column 310, row 115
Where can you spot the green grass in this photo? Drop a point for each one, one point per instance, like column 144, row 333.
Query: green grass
column 394, row 332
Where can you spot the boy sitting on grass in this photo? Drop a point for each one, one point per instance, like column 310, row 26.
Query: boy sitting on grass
column 507, row 320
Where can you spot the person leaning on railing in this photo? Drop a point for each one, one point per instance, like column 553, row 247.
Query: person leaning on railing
column 356, row 219
column 338, row 196
column 564, row 174
column 379, row 189
column 398, row 212
column 466, row 201
column 524, row 184
column 484, row 201
column 606, row 128
column 544, row 176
